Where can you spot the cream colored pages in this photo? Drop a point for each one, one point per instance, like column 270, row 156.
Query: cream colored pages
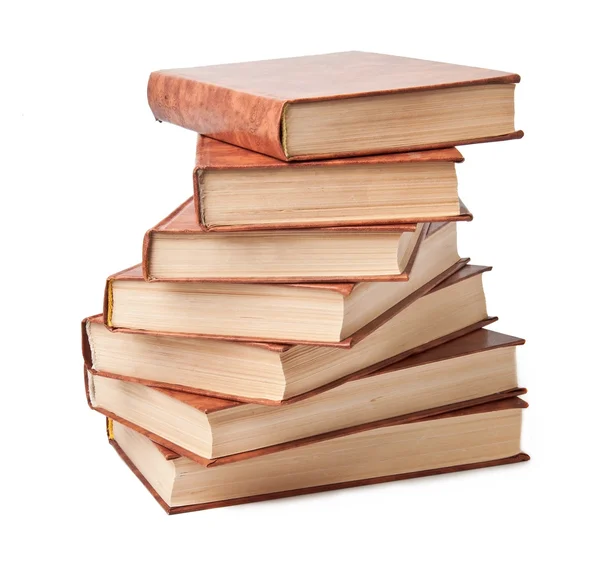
column 392, row 450
column 325, row 194
column 400, row 121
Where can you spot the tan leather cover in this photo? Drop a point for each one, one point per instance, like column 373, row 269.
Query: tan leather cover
column 182, row 221
column 346, row 343
column 507, row 403
column 243, row 104
column 216, row 155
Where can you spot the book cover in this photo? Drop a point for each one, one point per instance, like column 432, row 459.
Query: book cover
column 465, row 273
column 182, row 221
column 214, row 155
column 171, row 457
column 245, row 104
column 473, row 343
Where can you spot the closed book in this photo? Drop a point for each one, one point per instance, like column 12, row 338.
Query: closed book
column 338, row 105
column 271, row 373
column 474, row 437
column 236, row 189
column 179, row 249
column 326, row 313
column 476, row 368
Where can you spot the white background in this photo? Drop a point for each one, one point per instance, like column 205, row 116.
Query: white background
column 85, row 171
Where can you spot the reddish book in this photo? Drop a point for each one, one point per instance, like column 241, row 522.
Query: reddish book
column 237, row 190
column 476, row 368
column 323, row 313
column 179, row 249
column 475, row 437
column 338, row 105
column 271, row 373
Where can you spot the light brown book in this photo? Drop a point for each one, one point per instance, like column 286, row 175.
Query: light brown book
column 471, row 438
column 236, row 189
column 339, row 104
column 178, row 249
column 476, row 368
column 326, row 313
column 272, row 373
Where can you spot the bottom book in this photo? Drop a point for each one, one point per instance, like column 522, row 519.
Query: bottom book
column 470, row 438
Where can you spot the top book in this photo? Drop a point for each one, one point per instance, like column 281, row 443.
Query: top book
column 338, row 105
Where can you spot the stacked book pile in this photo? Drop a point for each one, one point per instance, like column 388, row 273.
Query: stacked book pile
column 304, row 322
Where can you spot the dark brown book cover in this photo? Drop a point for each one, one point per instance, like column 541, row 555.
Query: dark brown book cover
column 506, row 403
column 183, row 221
column 244, row 104
column 475, row 342
column 216, row 155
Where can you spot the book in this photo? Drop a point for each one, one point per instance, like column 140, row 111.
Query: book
column 236, row 189
column 309, row 313
column 272, row 373
column 473, row 369
column 475, row 437
column 338, row 104
column 178, row 249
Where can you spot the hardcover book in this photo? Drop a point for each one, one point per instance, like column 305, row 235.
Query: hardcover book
column 178, row 249
column 271, row 373
column 338, row 105
column 470, row 438
column 236, row 189
column 476, row 368
column 309, row 313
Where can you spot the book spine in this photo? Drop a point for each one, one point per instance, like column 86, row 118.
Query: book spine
column 146, row 252
column 86, row 348
column 238, row 118
column 198, row 182
column 107, row 308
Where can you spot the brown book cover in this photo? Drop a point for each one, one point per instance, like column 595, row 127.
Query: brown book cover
column 169, row 455
column 135, row 274
column 477, row 341
column 183, row 221
column 216, row 155
column 245, row 104
column 279, row 348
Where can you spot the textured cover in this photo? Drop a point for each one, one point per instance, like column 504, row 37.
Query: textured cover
column 244, row 103
column 342, row 288
column 216, row 155
column 183, row 221
column 510, row 403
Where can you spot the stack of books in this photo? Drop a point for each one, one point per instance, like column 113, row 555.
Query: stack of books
column 304, row 322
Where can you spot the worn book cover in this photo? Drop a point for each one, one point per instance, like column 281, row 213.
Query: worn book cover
column 249, row 104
